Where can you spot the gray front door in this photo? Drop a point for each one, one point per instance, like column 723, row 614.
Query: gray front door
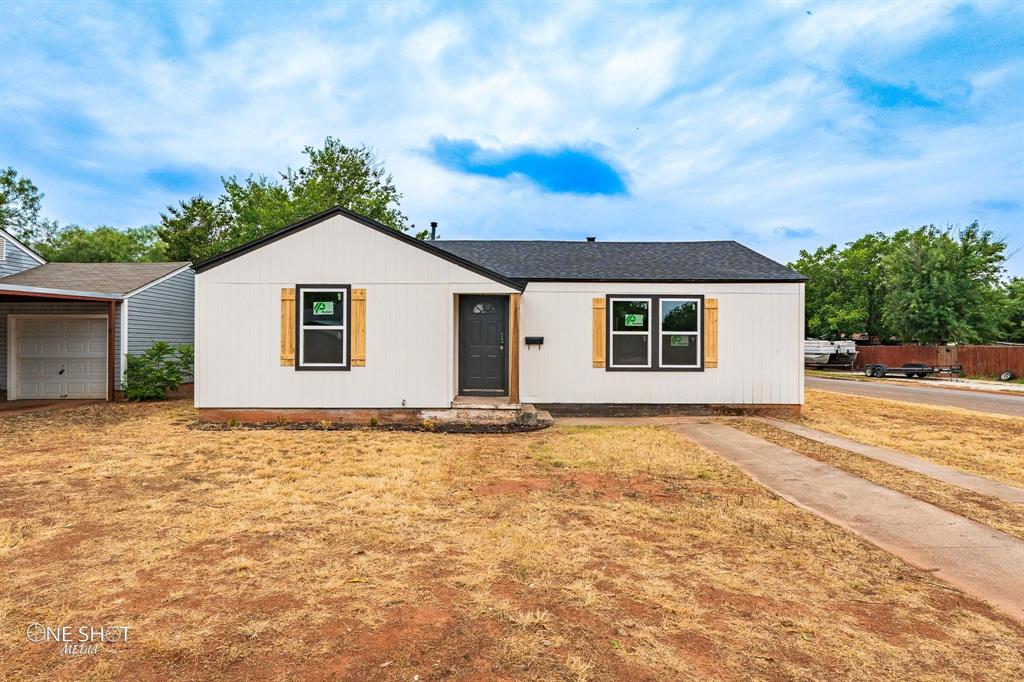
column 483, row 324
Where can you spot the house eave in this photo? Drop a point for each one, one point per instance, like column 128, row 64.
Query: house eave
column 47, row 292
column 676, row 280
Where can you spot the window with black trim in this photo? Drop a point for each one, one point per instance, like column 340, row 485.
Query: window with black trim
column 657, row 332
column 322, row 322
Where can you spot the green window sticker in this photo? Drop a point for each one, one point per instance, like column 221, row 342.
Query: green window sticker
column 634, row 320
column 323, row 307
column 679, row 340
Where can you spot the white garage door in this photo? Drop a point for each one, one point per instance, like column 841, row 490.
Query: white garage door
column 61, row 357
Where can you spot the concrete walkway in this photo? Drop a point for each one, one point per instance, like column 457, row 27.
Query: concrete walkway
column 977, row 559
column 978, row 484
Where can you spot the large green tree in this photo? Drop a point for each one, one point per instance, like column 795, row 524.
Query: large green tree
column 945, row 286
column 846, row 291
column 824, row 306
column 193, row 229
column 352, row 177
column 20, row 202
column 333, row 175
column 74, row 244
column 1014, row 319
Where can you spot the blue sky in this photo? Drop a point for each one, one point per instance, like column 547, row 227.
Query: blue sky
column 781, row 125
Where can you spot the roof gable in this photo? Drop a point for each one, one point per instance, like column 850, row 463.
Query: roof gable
column 13, row 241
column 284, row 232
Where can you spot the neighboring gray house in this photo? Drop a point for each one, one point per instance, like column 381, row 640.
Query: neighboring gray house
column 65, row 328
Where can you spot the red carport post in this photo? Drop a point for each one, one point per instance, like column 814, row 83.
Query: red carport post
column 110, row 350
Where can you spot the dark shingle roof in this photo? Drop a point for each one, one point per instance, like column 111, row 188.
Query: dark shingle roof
column 723, row 261
column 99, row 278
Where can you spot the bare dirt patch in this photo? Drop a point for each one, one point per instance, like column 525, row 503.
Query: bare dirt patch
column 517, row 487
column 699, row 650
column 570, row 553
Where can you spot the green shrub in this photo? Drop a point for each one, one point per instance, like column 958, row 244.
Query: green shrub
column 160, row 368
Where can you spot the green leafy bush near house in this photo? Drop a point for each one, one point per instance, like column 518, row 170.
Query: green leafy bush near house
column 160, row 368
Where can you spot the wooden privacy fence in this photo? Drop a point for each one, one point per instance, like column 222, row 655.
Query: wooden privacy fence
column 977, row 360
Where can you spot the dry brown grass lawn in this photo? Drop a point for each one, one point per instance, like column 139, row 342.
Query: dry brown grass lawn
column 984, row 444
column 572, row 553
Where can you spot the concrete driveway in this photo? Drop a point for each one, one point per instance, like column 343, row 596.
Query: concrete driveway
column 1008, row 404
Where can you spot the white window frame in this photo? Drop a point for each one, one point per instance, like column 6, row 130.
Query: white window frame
column 3, row 248
column 612, row 333
column 302, row 327
column 662, row 333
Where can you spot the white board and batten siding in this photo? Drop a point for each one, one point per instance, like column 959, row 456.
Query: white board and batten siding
column 410, row 324
column 760, row 347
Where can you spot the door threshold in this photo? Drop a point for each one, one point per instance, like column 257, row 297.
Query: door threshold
column 499, row 402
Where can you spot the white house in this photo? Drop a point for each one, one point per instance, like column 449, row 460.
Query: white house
column 338, row 312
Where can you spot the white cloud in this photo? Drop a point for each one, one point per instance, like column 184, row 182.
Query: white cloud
column 832, row 29
column 641, row 69
column 727, row 121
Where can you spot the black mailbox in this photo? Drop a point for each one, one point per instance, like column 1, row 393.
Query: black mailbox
column 534, row 340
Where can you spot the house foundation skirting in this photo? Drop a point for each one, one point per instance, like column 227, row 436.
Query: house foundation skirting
column 524, row 415
column 666, row 409
column 301, row 415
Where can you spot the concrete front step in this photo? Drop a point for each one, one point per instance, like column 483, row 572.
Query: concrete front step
column 506, row 413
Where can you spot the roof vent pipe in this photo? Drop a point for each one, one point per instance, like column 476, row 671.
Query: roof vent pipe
column 591, row 239
column 433, row 230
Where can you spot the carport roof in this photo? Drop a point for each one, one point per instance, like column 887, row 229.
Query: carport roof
column 115, row 279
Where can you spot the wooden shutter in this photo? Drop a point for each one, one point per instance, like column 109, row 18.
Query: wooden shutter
column 359, row 327
column 710, row 332
column 288, row 327
column 600, row 332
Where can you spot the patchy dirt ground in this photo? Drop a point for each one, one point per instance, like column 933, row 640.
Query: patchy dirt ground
column 983, row 444
column 571, row 553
